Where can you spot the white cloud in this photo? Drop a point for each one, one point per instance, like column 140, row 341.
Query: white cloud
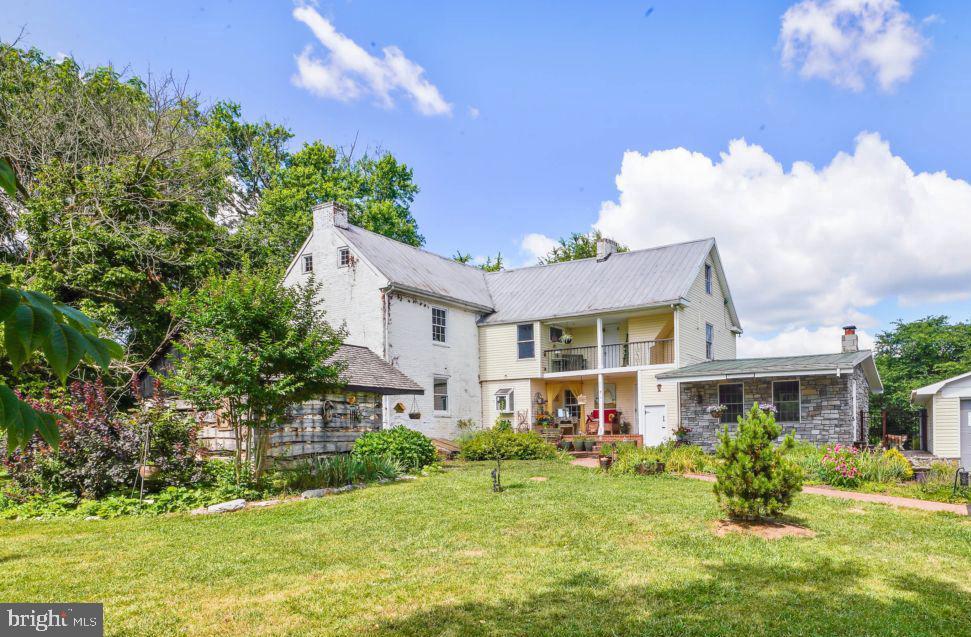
column 848, row 41
column 804, row 247
column 535, row 246
column 793, row 342
column 350, row 72
column 473, row 112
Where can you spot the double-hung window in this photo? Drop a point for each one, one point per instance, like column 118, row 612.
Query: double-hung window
column 308, row 263
column 785, row 395
column 440, row 392
column 524, row 340
column 710, row 342
column 439, row 322
column 731, row 395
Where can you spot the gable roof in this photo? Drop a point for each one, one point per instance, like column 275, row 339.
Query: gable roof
column 740, row 368
column 417, row 270
column 366, row 371
column 664, row 275
column 624, row 280
column 929, row 390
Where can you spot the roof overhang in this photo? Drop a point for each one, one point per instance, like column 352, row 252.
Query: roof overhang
column 564, row 317
column 869, row 370
column 923, row 394
column 384, row 391
column 405, row 289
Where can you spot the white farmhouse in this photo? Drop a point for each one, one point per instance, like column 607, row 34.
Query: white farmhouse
column 562, row 340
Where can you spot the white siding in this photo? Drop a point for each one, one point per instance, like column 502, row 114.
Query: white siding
column 648, row 394
column 412, row 350
column 705, row 308
column 523, row 390
column 351, row 295
column 499, row 354
column 944, row 436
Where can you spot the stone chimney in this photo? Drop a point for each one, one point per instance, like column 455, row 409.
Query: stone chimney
column 850, row 340
column 605, row 248
column 330, row 215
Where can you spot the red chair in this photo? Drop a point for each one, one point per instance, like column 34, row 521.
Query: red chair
column 610, row 421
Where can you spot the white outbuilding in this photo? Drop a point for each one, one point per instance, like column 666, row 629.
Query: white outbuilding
column 948, row 406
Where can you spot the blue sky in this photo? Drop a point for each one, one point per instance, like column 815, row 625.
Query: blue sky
column 562, row 90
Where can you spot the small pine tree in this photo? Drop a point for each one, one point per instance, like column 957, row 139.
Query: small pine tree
column 756, row 479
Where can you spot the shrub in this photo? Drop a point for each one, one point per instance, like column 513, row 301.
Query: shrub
column 335, row 471
column 410, row 449
column 97, row 453
column 840, row 466
column 632, row 459
column 757, row 479
column 688, row 459
column 503, row 424
column 498, row 444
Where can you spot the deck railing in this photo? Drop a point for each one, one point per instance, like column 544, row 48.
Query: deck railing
column 576, row 359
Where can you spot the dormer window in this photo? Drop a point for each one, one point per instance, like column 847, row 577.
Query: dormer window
column 308, row 263
column 343, row 257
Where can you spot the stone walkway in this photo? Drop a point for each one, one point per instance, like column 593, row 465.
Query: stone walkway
column 910, row 503
column 892, row 500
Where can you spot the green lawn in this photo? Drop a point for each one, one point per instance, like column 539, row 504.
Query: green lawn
column 577, row 554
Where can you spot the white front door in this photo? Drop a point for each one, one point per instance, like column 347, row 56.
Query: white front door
column 654, row 424
column 611, row 341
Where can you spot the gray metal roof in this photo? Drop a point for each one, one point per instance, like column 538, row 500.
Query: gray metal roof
column 779, row 366
column 640, row 278
column 419, row 270
column 366, row 371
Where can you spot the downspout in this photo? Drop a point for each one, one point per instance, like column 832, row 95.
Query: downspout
column 385, row 311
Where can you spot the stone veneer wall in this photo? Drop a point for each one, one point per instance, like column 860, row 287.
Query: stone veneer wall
column 306, row 433
column 827, row 414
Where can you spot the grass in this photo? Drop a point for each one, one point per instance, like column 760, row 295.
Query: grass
column 578, row 553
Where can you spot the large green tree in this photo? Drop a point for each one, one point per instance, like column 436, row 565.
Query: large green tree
column 377, row 190
column 120, row 185
column 913, row 354
column 253, row 349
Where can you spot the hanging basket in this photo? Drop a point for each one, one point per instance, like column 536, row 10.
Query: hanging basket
column 415, row 413
column 147, row 471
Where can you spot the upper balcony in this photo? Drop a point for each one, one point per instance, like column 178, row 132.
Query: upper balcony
column 636, row 354
column 628, row 341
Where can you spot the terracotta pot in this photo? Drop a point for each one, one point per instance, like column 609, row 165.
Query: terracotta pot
column 605, row 462
column 147, row 471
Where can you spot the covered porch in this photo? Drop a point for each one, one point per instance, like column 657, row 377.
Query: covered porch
column 567, row 408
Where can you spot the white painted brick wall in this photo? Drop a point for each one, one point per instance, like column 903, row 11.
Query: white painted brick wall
column 412, row 350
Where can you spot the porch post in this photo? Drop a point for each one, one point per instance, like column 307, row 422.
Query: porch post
column 600, row 376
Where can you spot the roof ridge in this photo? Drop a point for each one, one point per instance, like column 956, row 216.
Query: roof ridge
column 408, row 245
column 613, row 255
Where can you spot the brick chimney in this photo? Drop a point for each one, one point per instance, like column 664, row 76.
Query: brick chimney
column 605, row 248
column 850, row 340
column 330, row 215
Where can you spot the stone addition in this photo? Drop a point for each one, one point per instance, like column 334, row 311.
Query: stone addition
column 827, row 413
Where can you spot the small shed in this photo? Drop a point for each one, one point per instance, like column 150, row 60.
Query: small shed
column 947, row 417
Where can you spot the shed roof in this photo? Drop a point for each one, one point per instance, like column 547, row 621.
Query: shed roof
column 922, row 393
column 779, row 366
column 366, row 371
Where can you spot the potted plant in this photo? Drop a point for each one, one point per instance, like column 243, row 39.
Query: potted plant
column 624, row 427
column 681, row 433
column 578, row 442
column 606, row 455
